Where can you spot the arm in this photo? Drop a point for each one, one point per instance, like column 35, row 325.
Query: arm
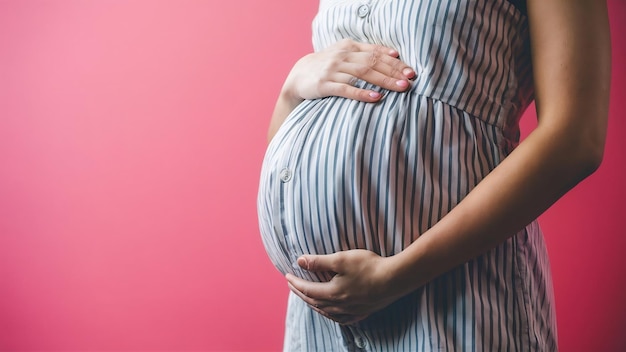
column 571, row 60
column 329, row 73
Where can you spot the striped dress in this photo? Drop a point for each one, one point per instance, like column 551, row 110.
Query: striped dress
column 342, row 174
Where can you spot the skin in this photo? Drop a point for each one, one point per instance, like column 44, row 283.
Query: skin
column 570, row 48
column 329, row 72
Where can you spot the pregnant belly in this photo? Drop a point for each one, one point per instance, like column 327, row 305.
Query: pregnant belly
column 343, row 175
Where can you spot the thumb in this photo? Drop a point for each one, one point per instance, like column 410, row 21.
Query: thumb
column 317, row 262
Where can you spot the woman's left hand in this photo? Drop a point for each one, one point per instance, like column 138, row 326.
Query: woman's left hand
column 360, row 285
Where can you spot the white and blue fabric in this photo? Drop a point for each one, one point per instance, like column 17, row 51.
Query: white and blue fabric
column 342, row 174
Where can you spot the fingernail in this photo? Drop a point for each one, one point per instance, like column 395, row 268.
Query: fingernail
column 375, row 95
column 402, row 83
column 303, row 262
column 408, row 72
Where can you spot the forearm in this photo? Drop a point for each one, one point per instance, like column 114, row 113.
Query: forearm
column 570, row 49
column 545, row 166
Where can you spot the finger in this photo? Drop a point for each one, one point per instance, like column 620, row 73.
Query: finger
column 302, row 296
column 315, row 292
column 392, row 75
column 339, row 318
column 373, row 56
column 388, row 80
column 360, row 64
column 326, row 306
column 392, row 66
column 351, row 45
column 308, row 289
column 346, row 319
column 313, row 303
column 348, row 91
column 319, row 262
column 327, row 311
column 386, row 64
column 343, row 319
column 341, row 77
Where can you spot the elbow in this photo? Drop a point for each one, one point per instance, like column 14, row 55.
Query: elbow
column 587, row 156
column 589, row 164
column 578, row 148
column 593, row 162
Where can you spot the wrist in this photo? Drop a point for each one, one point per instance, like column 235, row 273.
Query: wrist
column 284, row 106
column 405, row 271
column 397, row 282
column 289, row 94
column 289, row 99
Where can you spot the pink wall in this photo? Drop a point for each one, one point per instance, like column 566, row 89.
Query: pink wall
column 131, row 135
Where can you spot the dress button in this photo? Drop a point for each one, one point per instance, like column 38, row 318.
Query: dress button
column 364, row 10
column 360, row 342
column 285, row 175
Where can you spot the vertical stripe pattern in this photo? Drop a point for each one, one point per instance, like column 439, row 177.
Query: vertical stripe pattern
column 342, row 174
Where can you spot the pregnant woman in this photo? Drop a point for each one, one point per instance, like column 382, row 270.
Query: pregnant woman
column 395, row 195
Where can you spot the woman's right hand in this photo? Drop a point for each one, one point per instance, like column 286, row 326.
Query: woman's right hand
column 335, row 70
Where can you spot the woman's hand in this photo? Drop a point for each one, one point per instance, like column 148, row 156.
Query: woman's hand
column 361, row 285
column 334, row 72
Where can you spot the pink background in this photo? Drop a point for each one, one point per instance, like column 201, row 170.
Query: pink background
column 131, row 136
